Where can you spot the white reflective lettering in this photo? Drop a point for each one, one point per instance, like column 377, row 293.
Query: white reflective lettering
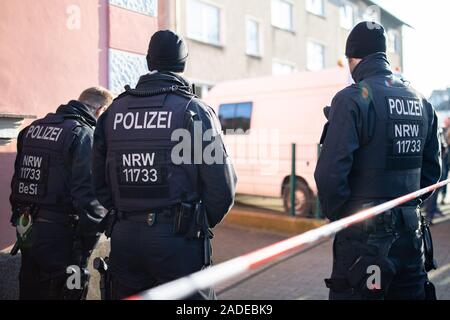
column 126, row 160
column 406, row 130
column 44, row 133
column 148, row 159
column 136, row 122
column 128, row 121
column 146, row 120
column 136, row 160
column 405, row 107
column 162, row 119
column 118, row 119
column 392, row 105
column 150, row 124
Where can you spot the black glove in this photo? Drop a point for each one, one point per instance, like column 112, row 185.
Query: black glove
column 87, row 236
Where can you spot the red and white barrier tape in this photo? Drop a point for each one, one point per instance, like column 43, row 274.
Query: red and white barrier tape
column 215, row 275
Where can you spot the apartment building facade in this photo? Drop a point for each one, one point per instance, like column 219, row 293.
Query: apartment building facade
column 231, row 39
column 440, row 99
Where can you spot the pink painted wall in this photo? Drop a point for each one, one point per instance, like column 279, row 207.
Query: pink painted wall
column 130, row 31
column 43, row 58
column 44, row 64
column 47, row 59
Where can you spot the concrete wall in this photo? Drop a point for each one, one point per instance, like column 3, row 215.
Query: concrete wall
column 228, row 61
column 327, row 31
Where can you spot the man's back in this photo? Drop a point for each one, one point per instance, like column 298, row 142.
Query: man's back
column 52, row 190
column 391, row 142
column 149, row 168
column 380, row 143
column 52, row 142
column 140, row 135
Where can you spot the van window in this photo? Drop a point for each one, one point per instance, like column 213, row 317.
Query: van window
column 235, row 116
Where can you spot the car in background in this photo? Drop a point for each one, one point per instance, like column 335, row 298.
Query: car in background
column 263, row 117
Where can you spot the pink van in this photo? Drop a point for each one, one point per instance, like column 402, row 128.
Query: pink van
column 263, row 117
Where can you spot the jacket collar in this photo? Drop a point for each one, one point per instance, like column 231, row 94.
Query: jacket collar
column 77, row 110
column 371, row 66
column 159, row 80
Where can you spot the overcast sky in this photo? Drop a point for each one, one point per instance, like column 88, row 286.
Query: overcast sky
column 427, row 46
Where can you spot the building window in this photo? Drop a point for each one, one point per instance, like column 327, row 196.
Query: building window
column 203, row 22
column 148, row 7
column 282, row 16
column 315, row 56
column 201, row 90
column 347, row 14
column 236, row 116
column 394, row 41
column 316, row 7
column 253, row 37
column 282, row 68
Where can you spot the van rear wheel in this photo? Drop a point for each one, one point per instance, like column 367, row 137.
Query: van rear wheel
column 303, row 199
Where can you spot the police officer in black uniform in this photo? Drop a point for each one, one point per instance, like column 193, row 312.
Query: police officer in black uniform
column 163, row 198
column 54, row 207
column 380, row 143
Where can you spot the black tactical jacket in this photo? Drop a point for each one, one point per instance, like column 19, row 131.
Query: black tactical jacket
column 76, row 153
column 213, row 184
column 380, row 143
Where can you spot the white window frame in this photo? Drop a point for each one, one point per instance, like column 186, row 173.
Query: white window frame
column 283, row 62
column 203, row 37
column 392, row 48
column 279, row 26
column 316, row 42
column 204, row 84
column 341, row 22
column 311, row 9
column 260, row 37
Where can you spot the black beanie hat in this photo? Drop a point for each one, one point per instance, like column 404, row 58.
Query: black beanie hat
column 167, row 52
column 365, row 39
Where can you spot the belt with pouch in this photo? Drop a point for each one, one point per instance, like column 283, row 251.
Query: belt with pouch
column 396, row 219
column 60, row 218
column 151, row 217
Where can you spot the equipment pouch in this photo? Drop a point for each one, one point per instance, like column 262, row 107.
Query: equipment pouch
column 430, row 262
column 184, row 219
column 430, row 291
column 110, row 221
column 101, row 265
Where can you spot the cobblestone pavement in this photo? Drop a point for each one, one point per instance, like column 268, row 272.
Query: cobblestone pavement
column 301, row 277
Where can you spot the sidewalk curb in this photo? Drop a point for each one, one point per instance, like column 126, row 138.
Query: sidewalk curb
column 440, row 220
column 271, row 222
